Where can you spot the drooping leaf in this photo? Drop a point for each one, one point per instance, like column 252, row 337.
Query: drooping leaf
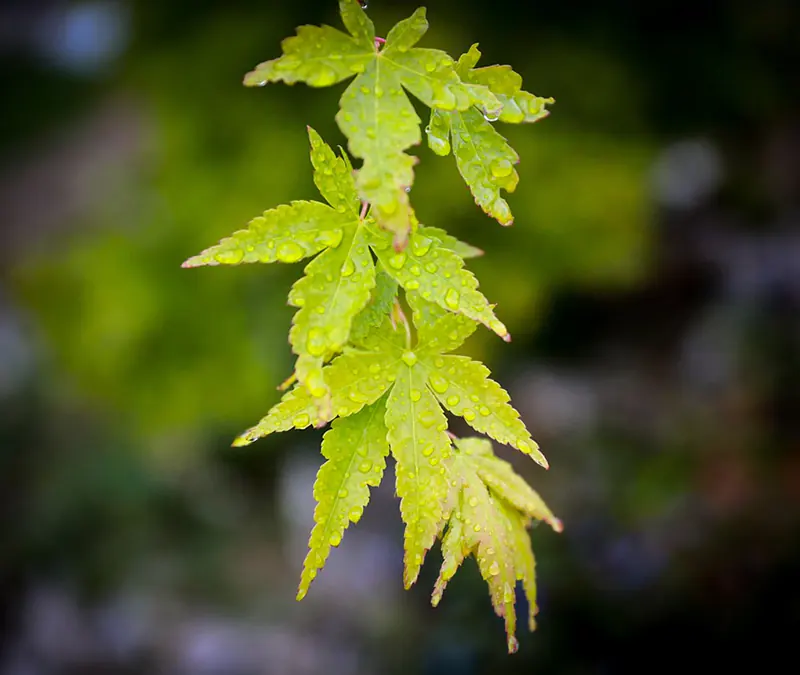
column 484, row 524
column 500, row 476
column 375, row 114
column 484, row 158
column 355, row 448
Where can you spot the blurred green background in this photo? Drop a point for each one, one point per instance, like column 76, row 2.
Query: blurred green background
column 651, row 282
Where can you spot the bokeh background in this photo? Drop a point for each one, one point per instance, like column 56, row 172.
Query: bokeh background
column 651, row 282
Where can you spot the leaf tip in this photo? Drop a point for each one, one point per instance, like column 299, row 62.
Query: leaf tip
column 557, row 526
column 242, row 441
column 513, row 644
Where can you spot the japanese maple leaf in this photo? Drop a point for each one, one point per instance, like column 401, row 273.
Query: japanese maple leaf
column 489, row 512
column 412, row 388
column 376, row 115
column 484, row 158
column 338, row 282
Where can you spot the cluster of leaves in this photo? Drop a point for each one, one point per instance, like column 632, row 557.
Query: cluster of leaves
column 385, row 381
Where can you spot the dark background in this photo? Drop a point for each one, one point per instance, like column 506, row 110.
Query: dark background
column 651, row 282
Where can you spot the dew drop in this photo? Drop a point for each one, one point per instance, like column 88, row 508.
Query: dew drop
column 375, row 368
column 494, row 569
column 412, row 285
column 483, row 410
column 335, row 539
column 427, row 451
column 438, row 383
column 473, row 502
column 501, row 168
column 289, row 252
column 409, row 358
column 451, row 298
column 439, row 362
column 415, row 395
column 316, row 342
column 468, row 414
column 343, row 493
column 301, row 420
column 415, row 270
column 523, row 446
column 230, row 257
column 421, row 245
column 453, row 400
column 348, row 268
column 330, row 238
column 397, row 261
column 430, row 66
column 427, row 418
column 431, row 267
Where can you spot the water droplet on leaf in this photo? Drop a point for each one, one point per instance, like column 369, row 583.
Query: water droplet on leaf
column 409, row 358
column 289, row 252
column 451, row 298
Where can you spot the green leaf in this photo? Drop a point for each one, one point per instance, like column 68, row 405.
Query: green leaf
column 438, row 331
column 484, row 524
column 449, row 242
column 484, row 157
column 337, row 283
column 500, row 476
column 463, row 387
column 375, row 114
column 420, row 448
column 381, row 300
column 357, row 378
column 335, row 288
column 287, row 234
column 355, row 448
column 438, row 274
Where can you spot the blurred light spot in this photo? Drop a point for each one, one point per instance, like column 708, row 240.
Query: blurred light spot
column 85, row 38
column 686, row 173
column 16, row 355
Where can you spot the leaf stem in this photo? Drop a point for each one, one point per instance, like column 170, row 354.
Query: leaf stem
column 400, row 314
column 364, row 209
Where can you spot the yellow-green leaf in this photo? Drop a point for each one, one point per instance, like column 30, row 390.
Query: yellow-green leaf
column 355, row 448
column 335, row 288
column 494, row 531
column 287, row 234
column 484, row 157
column 356, row 379
column 420, row 447
column 465, row 389
column 438, row 274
